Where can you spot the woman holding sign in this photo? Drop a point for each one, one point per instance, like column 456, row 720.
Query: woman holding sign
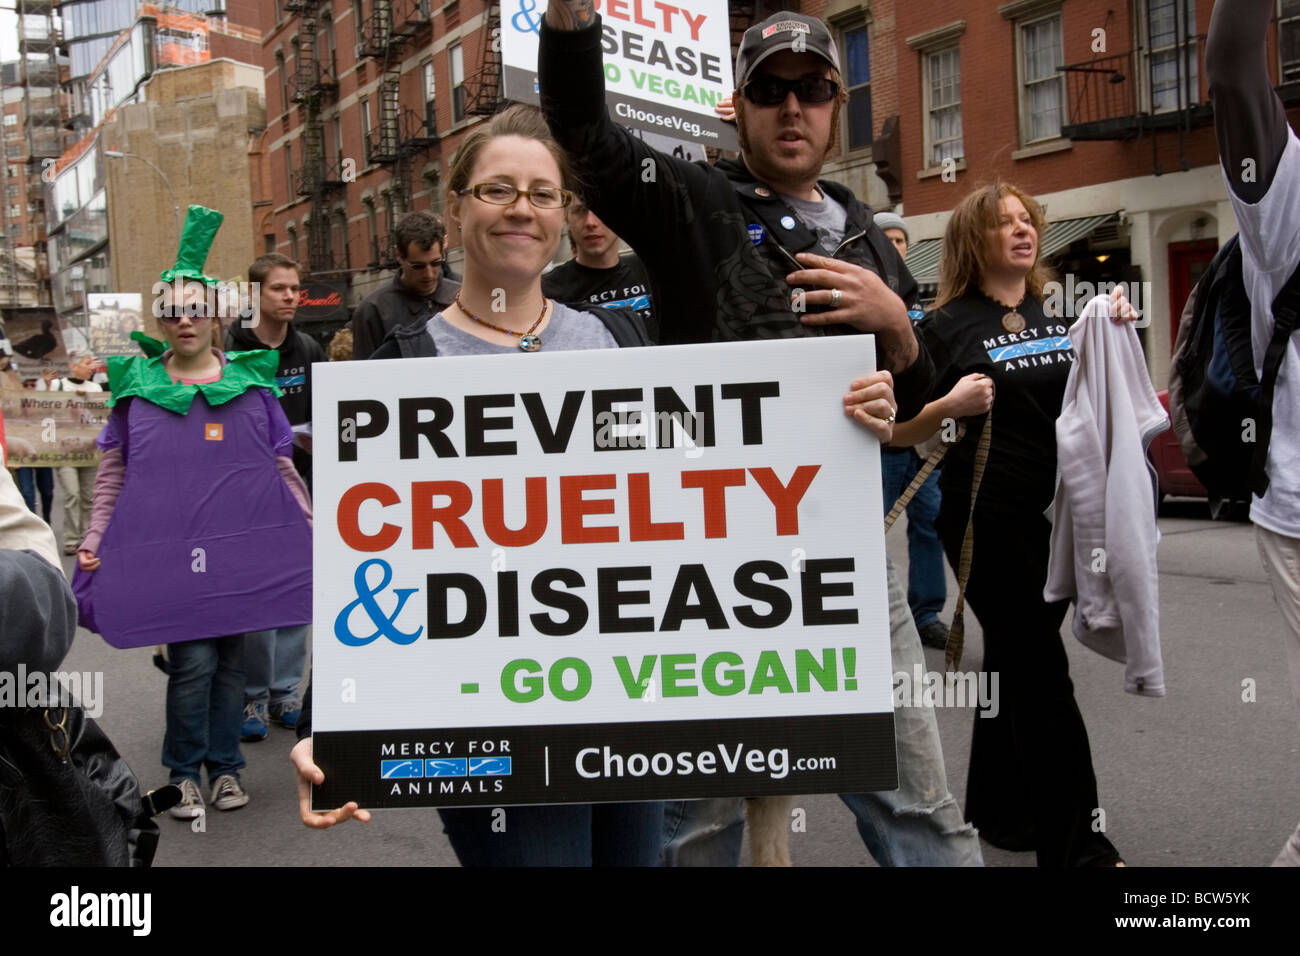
column 1031, row 780
column 509, row 184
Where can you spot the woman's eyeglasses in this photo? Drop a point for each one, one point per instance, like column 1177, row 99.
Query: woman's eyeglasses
column 504, row 194
column 772, row 90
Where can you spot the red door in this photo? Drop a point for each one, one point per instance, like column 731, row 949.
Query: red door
column 1187, row 261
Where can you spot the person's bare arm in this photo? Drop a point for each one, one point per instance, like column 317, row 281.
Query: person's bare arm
column 972, row 395
column 570, row 14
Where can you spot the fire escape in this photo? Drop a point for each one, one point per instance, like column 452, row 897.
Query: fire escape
column 1158, row 87
column 312, row 85
column 43, row 118
column 483, row 87
column 401, row 133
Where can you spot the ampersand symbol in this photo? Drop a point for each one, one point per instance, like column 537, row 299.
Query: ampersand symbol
column 530, row 24
column 366, row 600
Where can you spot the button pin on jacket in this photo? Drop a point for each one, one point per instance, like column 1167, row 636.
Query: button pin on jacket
column 762, row 191
column 756, row 233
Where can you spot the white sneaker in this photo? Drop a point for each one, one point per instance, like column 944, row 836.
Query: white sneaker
column 191, row 804
column 227, row 794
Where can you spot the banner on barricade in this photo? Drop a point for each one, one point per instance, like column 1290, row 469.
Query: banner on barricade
column 666, row 66
column 590, row 576
column 52, row 429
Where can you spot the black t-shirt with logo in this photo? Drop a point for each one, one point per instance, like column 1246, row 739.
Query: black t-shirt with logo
column 1029, row 369
column 624, row 286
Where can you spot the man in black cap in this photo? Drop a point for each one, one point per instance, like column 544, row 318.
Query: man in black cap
column 763, row 248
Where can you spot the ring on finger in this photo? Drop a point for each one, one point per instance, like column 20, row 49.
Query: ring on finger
column 892, row 415
column 836, row 297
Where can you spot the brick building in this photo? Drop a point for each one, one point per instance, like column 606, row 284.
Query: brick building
column 168, row 114
column 1099, row 109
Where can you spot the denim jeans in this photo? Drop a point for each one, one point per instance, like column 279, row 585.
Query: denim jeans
column 205, row 705
column 33, row 480
column 926, row 588
column 273, row 666
column 582, row 834
column 919, row 824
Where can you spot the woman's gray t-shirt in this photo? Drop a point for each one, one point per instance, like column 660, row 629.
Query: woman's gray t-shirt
column 568, row 330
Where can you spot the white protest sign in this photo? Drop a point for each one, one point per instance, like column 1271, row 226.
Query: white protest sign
column 666, row 66
column 589, row 576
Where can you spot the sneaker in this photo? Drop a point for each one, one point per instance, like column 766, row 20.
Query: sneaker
column 287, row 715
column 254, row 726
column 227, row 794
column 191, row 804
column 935, row 634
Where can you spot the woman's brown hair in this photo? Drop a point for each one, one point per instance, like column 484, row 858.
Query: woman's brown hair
column 517, row 120
column 966, row 242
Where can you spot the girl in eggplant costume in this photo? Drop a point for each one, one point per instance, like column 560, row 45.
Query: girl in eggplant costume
column 201, row 528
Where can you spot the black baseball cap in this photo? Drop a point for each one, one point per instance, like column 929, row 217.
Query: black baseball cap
column 784, row 30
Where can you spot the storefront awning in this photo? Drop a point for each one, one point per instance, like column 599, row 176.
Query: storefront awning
column 923, row 257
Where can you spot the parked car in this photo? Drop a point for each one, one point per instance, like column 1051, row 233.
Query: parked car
column 1176, row 478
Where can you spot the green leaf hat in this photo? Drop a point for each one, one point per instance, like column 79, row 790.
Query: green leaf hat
column 201, row 224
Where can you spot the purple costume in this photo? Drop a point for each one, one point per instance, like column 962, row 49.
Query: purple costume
column 183, row 557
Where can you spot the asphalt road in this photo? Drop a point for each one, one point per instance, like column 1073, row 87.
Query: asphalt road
column 1198, row 778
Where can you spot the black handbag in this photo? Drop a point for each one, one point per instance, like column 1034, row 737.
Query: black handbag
column 67, row 798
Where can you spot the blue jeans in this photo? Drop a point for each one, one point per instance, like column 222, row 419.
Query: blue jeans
column 273, row 666
column 926, row 588
column 581, row 834
column 205, row 705
column 33, row 480
column 919, row 824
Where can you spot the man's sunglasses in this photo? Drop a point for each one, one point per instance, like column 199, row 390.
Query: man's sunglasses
column 772, row 90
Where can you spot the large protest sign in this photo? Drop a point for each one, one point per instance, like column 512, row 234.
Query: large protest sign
column 666, row 66
column 581, row 576
column 52, row 429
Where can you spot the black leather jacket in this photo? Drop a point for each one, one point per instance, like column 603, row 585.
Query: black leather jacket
column 694, row 225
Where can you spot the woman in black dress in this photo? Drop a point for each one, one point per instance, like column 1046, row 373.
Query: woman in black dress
column 1031, row 783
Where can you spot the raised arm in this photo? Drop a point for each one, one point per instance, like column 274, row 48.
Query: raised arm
column 1249, row 119
column 647, row 197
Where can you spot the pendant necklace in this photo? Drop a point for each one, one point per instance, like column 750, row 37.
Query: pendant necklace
column 529, row 341
column 1013, row 321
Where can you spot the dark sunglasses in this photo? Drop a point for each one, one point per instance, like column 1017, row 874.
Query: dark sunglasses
column 772, row 90
column 195, row 313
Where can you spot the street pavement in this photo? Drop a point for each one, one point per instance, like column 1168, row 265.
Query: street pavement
column 1202, row 777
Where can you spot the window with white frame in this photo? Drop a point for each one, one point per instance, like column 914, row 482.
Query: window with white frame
column 283, row 73
column 430, row 94
column 1288, row 40
column 365, row 128
column 1042, row 85
column 1171, row 57
column 943, row 105
column 456, row 67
